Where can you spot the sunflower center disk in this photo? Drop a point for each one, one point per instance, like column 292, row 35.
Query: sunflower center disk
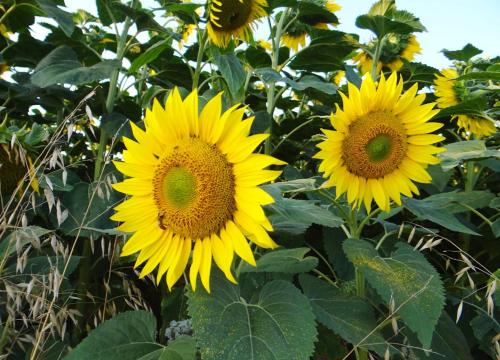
column 194, row 189
column 232, row 14
column 375, row 145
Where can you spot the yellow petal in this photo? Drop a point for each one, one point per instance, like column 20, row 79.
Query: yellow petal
column 206, row 263
column 223, row 256
column 240, row 244
column 195, row 264
column 175, row 272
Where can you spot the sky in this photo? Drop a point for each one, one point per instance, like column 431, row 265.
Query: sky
column 450, row 24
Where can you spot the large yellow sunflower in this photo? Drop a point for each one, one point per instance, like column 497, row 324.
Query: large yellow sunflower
column 447, row 89
column 397, row 48
column 233, row 19
column 381, row 143
column 193, row 189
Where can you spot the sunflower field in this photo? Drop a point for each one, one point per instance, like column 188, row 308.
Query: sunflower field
column 240, row 179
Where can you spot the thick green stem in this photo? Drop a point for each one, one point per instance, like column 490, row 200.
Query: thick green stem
column 276, row 40
column 376, row 57
column 84, row 271
column 199, row 59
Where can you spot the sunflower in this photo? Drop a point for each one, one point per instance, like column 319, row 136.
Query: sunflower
column 381, row 143
column 233, row 19
column 193, row 189
column 186, row 30
column 397, row 48
column 448, row 91
column 294, row 40
column 338, row 77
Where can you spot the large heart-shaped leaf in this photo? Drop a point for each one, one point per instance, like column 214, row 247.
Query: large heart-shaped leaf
column 408, row 278
column 278, row 324
column 349, row 316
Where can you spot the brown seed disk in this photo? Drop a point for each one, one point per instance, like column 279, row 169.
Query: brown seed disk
column 357, row 154
column 232, row 14
column 211, row 205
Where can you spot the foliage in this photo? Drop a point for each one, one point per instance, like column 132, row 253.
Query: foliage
column 420, row 281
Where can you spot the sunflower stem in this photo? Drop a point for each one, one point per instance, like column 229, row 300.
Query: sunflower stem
column 271, row 101
column 202, row 42
column 376, row 57
column 84, row 271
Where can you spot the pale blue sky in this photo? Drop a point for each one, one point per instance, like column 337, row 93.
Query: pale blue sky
column 450, row 24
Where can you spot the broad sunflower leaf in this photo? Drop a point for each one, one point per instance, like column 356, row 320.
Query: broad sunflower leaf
column 481, row 75
column 232, row 71
column 465, row 54
column 485, row 328
column 448, row 341
column 63, row 18
column 284, row 260
column 473, row 107
column 312, row 14
column 61, row 66
column 457, row 152
column 348, row 316
column 429, row 211
column 454, row 201
column 408, row 278
column 399, row 22
column 150, row 54
column 334, row 48
column 127, row 336
column 277, row 324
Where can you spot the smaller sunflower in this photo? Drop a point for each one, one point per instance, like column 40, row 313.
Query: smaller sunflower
column 338, row 77
column 233, row 19
column 397, row 48
column 448, row 91
column 186, row 30
column 381, row 144
column 294, row 40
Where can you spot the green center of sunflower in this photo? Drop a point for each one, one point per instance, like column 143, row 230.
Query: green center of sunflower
column 379, row 148
column 375, row 145
column 179, row 187
column 194, row 189
column 230, row 15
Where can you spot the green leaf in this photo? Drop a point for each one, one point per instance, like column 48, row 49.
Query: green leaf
column 429, row 211
column 278, row 324
column 334, row 48
column 127, row 336
column 61, row 66
column 457, row 152
column 474, row 107
column 108, row 13
column 452, row 201
column 402, row 22
column 465, row 54
column 42, row 265
column 149, row 55
column 312, row 14
column 348, row 316
column 232, row 71
column 182, row 348
column 257, row 57
column 63, row 18
column 22, row 236
column 485, row 328
column 481, row 75
column 448, row 341
column 307, row 212
column 408, row 278
column 291, row 261
column 116, row 124
column 89, row 208
column 269, row 75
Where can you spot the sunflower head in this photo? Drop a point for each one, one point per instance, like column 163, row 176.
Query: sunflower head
column 449, row 92
column 381, row 144
column 338, row 77
column 233, row 19
column 396, row 49
column 295, row 37
column 194, row 189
